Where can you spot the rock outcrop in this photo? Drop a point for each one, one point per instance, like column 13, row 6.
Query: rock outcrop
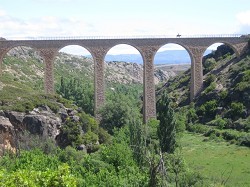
column 7, row 133
column 40, row 121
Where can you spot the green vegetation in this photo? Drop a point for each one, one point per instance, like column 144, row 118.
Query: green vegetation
column 217, row 161
column 79, row 91
column 120, row 150
column 166, row 129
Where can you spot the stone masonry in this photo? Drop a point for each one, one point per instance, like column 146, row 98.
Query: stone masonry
column 147, row 47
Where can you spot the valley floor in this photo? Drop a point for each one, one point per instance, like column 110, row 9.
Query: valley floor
column 218, row 161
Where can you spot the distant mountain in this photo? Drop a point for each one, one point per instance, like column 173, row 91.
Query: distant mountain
column 163, row 57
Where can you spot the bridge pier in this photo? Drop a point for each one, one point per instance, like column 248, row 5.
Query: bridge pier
column 1, row 62
column 149, row 104
column 48, row 56
column 98, row 54
column 3, row 52
column 196, row 71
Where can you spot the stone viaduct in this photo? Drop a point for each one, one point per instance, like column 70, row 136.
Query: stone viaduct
column 147, row 47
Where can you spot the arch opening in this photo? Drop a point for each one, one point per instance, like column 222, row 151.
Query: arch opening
column 125, row 63
column 23, row 67
column 123, row 75
column 217, row 55
column 74, row 76
column 170, row 60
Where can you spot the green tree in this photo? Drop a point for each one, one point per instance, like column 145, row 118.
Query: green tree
column 209, row 64
column 79, row 91
column 166, row 129
column 117, row 113
column 137, row 139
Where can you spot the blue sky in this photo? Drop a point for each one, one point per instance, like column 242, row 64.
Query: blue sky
column 23, row 18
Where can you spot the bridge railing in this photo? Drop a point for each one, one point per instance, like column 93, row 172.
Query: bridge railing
column 124, row 37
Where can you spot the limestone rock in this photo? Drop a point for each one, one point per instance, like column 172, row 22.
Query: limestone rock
column 7, row 141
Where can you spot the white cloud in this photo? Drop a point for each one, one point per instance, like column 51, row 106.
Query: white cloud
column 244, row 22
column 44, row 26
column 2, row 13
column 244, row 17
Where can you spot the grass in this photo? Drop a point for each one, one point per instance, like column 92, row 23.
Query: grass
column 217, row 160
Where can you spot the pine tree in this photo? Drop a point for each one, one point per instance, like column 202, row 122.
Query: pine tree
column 166, row 130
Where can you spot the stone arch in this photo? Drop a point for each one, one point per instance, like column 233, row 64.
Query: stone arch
column 125, row 48
column 86, row 49
column 127, row 44
column 181, row 45
column 126, row 72
column 80, row 59
column 163, row 60
column 236, row 51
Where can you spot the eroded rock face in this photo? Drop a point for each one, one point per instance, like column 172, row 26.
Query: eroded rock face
column 15, row 118
column 40, row 121
column 7, row 142
column 46, row 126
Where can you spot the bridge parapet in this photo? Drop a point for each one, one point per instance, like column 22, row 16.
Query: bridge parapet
column 127, row 37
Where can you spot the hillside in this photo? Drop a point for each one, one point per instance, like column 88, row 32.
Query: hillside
column 26, row 65
column 54, row 137
column 222, row 109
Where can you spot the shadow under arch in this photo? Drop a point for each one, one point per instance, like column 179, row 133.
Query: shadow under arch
column 26, row 65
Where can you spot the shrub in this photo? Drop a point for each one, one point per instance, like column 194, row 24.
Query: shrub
column 191, row 115
column 218, row 122
column 197, row 128
column 208, row 109
column 60, row 177
column 242, row 124
column 209, row 79
column 30, row 160
column 210, row 88
column 223, row 94
column 236, row 110
column 244, row 140
column 209, row 64
column 230, row 135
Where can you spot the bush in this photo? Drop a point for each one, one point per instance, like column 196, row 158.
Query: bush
column 209, row 64
column 218, row 122
column 60, row 177
column 244, row 140
column 243, row 81
column 208, row 109
column 210, row 88
column 197, row 128
column 209, row 79
column 242, row 124
column 118, row 112
column 236, row 111
column 223, row 94
column 230, row 135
